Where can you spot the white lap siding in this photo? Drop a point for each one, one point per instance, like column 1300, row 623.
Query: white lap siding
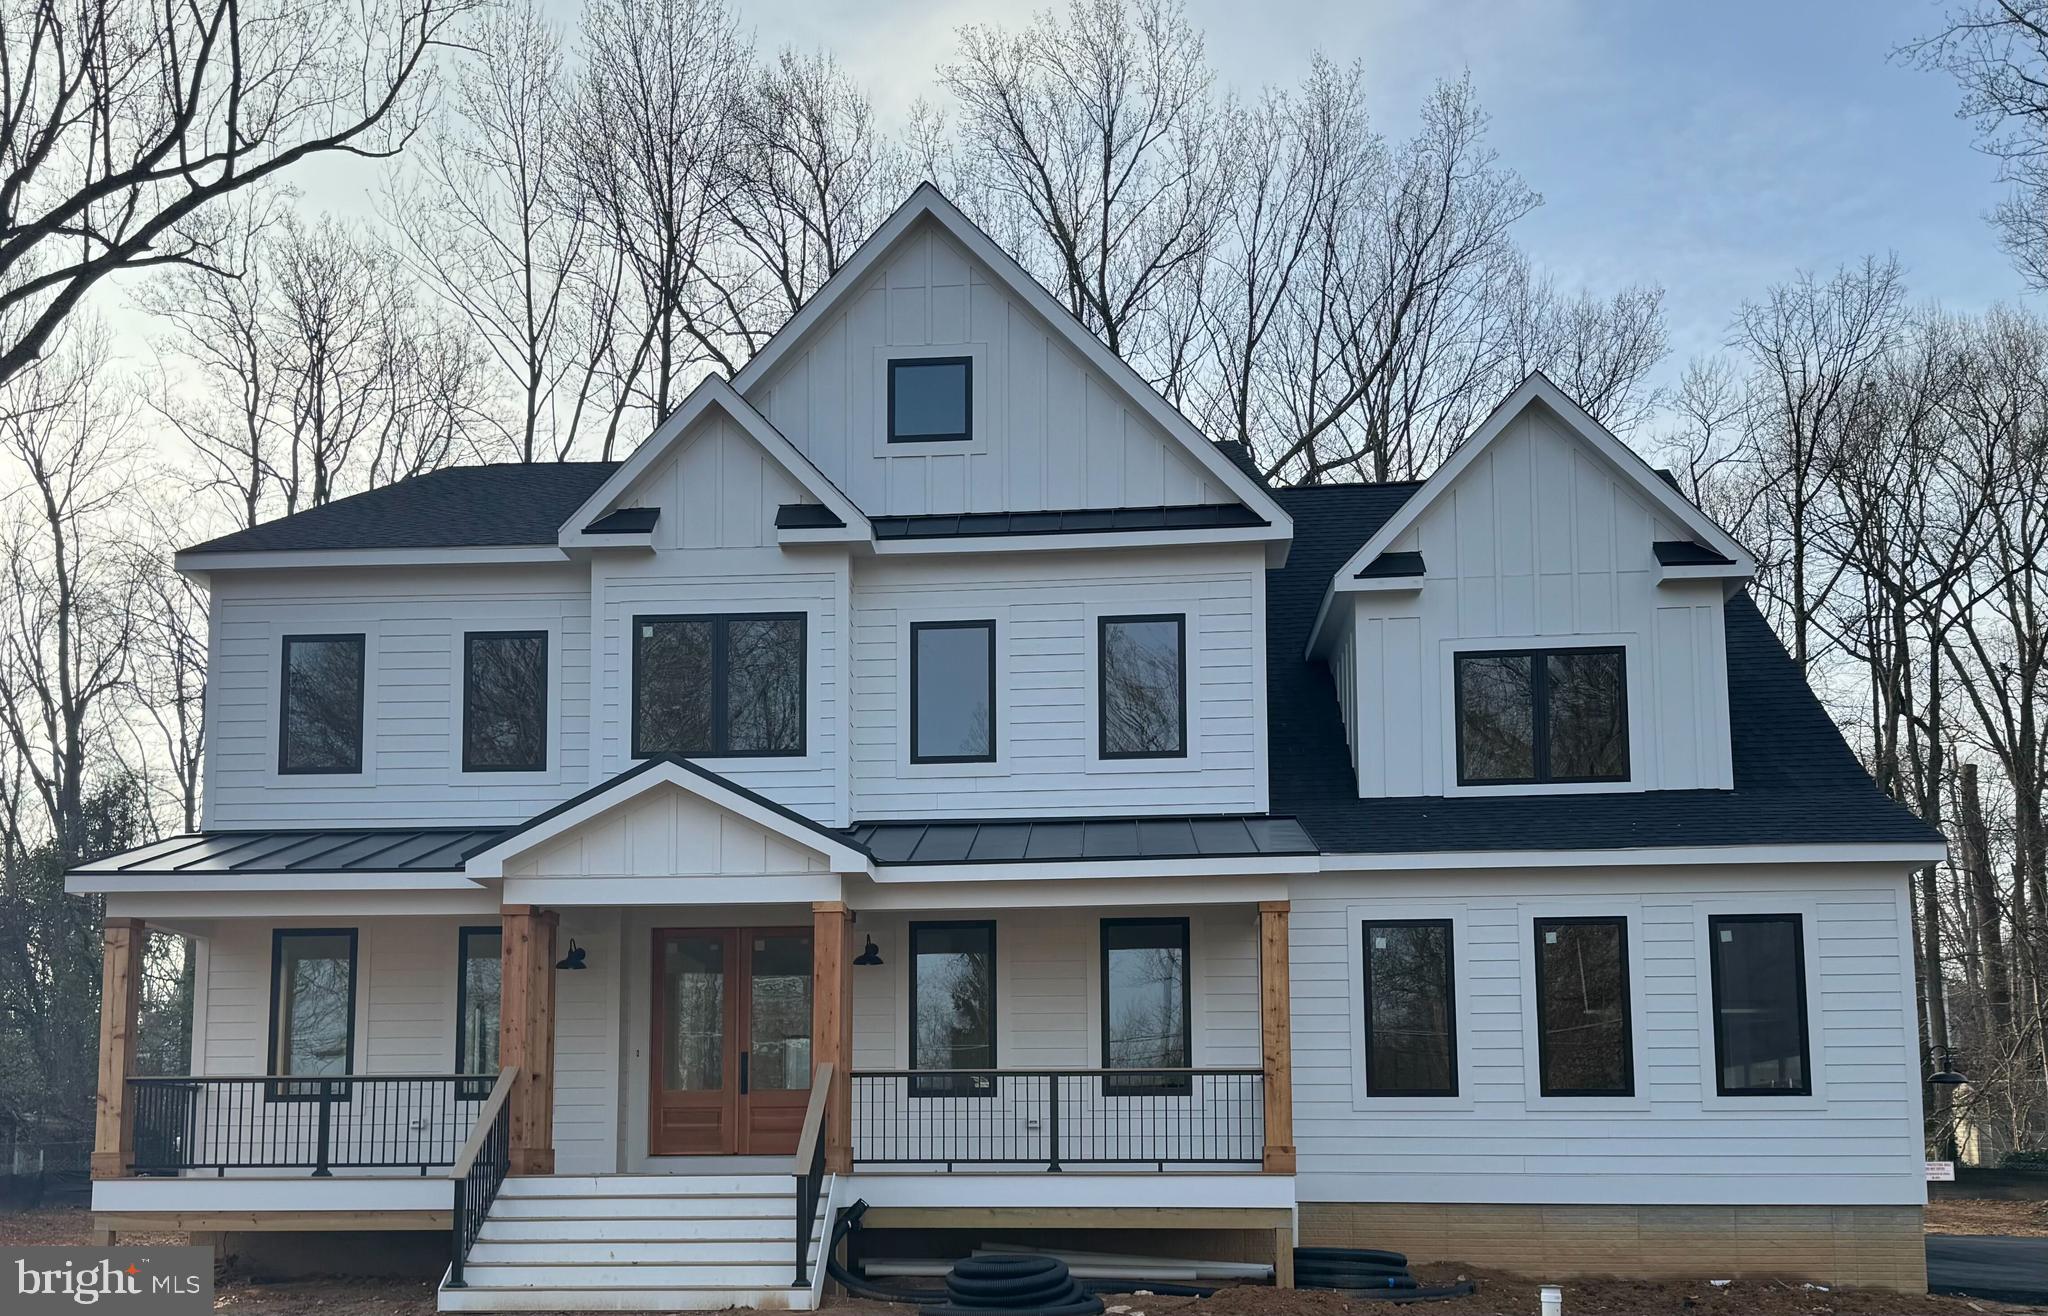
column 1855, row 1141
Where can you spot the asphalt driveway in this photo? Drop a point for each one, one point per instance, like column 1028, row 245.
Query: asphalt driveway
column 1988, row 1266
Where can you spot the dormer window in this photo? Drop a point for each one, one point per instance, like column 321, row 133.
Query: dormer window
column 931, row 400
column 1531, row 716
column 726, row 686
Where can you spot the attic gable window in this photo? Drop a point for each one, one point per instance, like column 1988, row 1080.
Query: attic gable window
column 320, row 716
column 1542, row 715
column 728, row 685
column 931, row 400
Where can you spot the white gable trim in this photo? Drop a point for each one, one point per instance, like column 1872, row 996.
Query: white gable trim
column 928, row 201
column 839, row 857
column 1537, row 388
column 712, row 391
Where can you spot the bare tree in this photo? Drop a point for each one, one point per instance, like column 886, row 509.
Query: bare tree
column 121, row 121
column 1095, row 132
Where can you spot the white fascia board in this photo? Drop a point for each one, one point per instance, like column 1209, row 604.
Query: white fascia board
column 284, row 1192
column 1906, row 854
column 616, row 892
column 1106, row 539
column 1537, row 388
column 1385, row 585
column 928, row 201
column 170, row 908
column 839, row 858
column 985, row 892
column 111, row 883
column 1097, row 869
column 831, row 536
column 1704, row 571
column 711, row 391
column 198, row 564
column 1076, row 1189
column 643, row 541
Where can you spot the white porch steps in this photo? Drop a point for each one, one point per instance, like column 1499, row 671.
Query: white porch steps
column 638, row 1242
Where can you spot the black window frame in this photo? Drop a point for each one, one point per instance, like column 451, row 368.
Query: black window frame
column 965, row 1085
column 1798, row 922
column 469, row 639
column 1628, row 1035
column 361, row 640
column 1156, row 1085
column 720, row 730
column 967, row 402
column 918, row 628
column 474, row 1091
column 288, row 1090
column 1539, row 713
column 1102, row 625
column 1373, row 1085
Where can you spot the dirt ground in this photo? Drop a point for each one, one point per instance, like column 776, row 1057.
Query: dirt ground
column 1982, row 1216
column 1498, row 1295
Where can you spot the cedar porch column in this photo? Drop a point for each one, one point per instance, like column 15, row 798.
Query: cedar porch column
column 113, row 1143
column 832, row 1025
column 526, row 1033
column 1276, row 1038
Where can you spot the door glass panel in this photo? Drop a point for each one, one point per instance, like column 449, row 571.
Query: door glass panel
column 779, row 1007
column 693, row 1013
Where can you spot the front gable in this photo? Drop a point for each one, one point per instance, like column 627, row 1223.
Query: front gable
column 1058, row 421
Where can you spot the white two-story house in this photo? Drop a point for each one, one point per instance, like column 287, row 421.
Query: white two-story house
column 930, row 772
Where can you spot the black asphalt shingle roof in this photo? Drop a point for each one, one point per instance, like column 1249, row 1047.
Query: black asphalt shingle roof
column 1796, row 781
column 459, row 507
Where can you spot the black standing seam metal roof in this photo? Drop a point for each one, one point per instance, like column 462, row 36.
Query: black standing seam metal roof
column 457, row 507
column 1390, row 565
column 1040, row 840
column 1067, row 521
column 807, row 516
column 298, row 850
column 1796, row 781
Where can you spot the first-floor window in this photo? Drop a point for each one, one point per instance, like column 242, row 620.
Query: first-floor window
column 320, row 713
column 1145, row 1003
column 953, row 1006
column 1759, row 979
column 1582, row 1019
column 312, row 1006
column 480, row 966
column 953, row 692
column 719, row 685
column 1411, row 1032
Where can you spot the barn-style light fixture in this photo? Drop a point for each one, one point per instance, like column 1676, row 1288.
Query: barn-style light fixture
column 872, row 955
column 574, row 959
column 1947, row 1076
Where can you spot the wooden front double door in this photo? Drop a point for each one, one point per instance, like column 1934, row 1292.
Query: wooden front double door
column 731, row 1056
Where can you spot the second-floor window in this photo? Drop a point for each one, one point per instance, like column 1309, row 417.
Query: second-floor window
column 1542, row 715
column 953, row 692
column 931, row 400
column 320, row 720
column 719, row 686
column 505, row 701
column 1143, row 690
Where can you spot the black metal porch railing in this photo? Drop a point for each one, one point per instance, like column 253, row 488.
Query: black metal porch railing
column 386, row 1122
column 478, row 1172
column 1059, row 1118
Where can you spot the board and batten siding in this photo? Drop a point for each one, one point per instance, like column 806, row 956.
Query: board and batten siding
column 1538, row 543
column 1855, row 1141
column 413, row 621
column 1050, row 431
column 1046, row 607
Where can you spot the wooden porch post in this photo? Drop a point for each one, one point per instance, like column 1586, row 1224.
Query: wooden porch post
column 1276, row 1040
column 832, row 1025
column 113, row 1143
column 526, row 1033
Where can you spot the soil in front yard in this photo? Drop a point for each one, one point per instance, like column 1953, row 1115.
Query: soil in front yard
column 1498, row 1295
column 1976, row 1215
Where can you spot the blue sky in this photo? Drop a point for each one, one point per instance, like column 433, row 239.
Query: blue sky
column 1711, row 148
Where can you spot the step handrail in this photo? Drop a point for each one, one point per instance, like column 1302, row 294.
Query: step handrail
column 809, row 1167
column 486, row 1114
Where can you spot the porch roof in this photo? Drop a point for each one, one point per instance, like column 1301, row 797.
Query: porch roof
column 296, row 850
column 1043, row 840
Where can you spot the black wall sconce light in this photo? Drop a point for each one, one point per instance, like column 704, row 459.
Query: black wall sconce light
column 871, row 956
column 574, row 959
